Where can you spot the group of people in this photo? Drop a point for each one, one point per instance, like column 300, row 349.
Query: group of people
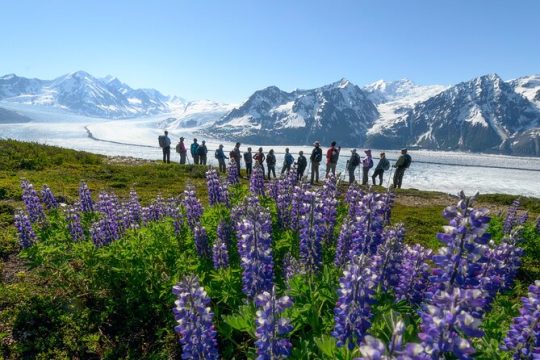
column 199, row 154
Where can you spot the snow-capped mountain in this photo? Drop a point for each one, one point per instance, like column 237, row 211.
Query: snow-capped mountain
column 528, row 86
column 484, row 114
column 195, row 114
column 339, row 111
column 395, row 98
column 82, row 93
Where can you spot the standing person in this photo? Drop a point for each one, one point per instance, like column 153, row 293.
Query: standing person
column 287, row 162
column 315, row 158
column 401, row 165
column 195, row 151
column 332, row 157
column 271, row 162
column 237, row 156
column 352, row 164
column 248, row 159
column 181, row 149
column 220, row 156
column 259, row 159
column 382, row 166
column 202, row 151
column 302, row 164
column 165, row 144
column 367, row 163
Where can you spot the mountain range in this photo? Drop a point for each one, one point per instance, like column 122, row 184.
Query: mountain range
column 485, row 114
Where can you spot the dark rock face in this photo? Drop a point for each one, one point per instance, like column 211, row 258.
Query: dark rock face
column 11, row 117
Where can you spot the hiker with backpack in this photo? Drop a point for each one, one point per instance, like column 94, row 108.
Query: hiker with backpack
column 301, row 164
column 181, row 149
column 202, row 151
column 382, row 166
column 165, row 145
column 367, row 163
column 401, row 165
column 237, row 156
column 259, row 159
column 271, row 163
column 248, row 159
column 194, row 149
column 315, row 158
column 287, row 162
column 220, row 156
column 332, row 157
column 352, row 164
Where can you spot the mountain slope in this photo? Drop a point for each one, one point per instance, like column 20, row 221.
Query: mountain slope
column 484, row 114
column 340, row 111
column 81, row 93
column 10, row 117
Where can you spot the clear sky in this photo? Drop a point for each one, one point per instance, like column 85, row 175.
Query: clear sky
column 225, row 49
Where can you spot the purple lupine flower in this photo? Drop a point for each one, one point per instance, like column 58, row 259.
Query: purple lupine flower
column 195, row 329
column 200, row 238
column 459, row 262
column 155, row 211
column 134, row 207
column 374, row 349
column 414, row 274
column 284, row 199
column 220, row 254
column 352, row 197
column 272, row 329
column 291, row 267
column 73, row 219
column 27, row 236
column 48, row 198
column 450, row 320
column 312, row 231
column 32, row 202
column 356, row 292
column 511, row 216
column 108, row 204
column 344, row 242
column 390, row 253
column 233, row 177
column 214, row 186
column 389, row 199
column 104, row 231
column 368, row 217
column 256, row 181
column 329, row 207
column 174, row 211
column 224, row 232
column 297, row 204
column 85, row 198
column 523, row 338
column 537, row 226
column 192, row 207
column 253, row 230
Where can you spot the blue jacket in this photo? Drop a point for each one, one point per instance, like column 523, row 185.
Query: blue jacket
column 289, row 160
column 220, row 154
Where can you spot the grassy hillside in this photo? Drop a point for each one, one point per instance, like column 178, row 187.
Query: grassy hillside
column 67, row 300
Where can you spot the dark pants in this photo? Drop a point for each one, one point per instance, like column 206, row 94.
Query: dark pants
column 351, row 175
column 238, row 167
column 182, row 158
column 272, row 169
column 365, row 173
column 286, row 167
column 195, row 159
column 222, row 166
column 300, row 173
column 398, row 177
column 331, row 167
column 167, row 154
column 314, row 172
column 379, row 173
column 202, row 159
column 249, row 167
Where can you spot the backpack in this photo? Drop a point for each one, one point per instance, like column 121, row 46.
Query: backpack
column 216, row 154
column 161, row 140
column 318, row 156
column 355, row 161
column 201, row 150
column 335, row 156
column 370, row 164
column 178, row 148
column 289, row 159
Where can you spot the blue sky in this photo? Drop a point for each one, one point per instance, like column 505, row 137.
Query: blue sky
column 225, row 50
